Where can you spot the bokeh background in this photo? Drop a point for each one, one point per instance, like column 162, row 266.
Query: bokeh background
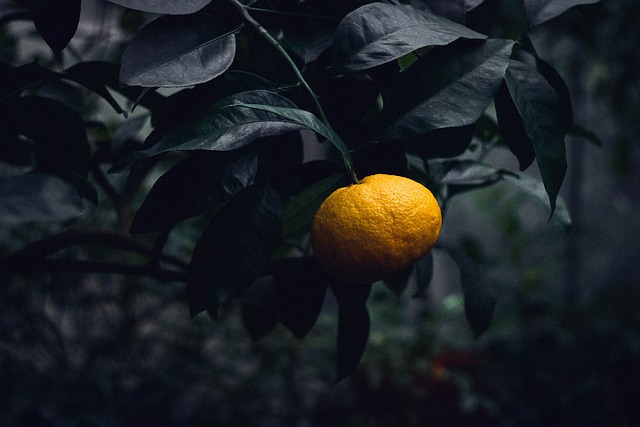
column 564, row 347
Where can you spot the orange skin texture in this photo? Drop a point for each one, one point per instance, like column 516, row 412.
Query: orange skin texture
column 368, row 231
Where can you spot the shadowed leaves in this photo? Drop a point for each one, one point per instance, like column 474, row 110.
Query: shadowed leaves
column 234, row 248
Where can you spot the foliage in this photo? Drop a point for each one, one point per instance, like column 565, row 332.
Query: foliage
column 233, row 93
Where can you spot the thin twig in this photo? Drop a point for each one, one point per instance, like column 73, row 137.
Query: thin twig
column 275, row 43
column 243, row 10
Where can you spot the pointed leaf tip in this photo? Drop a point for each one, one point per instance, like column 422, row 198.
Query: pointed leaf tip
column 354, row 326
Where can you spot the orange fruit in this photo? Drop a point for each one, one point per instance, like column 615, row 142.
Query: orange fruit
column 368, row 231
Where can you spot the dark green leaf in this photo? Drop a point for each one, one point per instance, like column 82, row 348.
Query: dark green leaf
column 448, row 87
column 378, row 33
column 471, row 4
column 55, row 20
column 545, row 120
column 424, row 273
column 512, row 128
column 397, row 283
column 299, row 292
column 178, row 51
column 457, row 176
column 38, row 197
column 57, row 140
column 169, row 7
column 13, row 80
column 185, row 105
column 479, row 300
column 309, row 48
column 59, row 133
column 258, row 320
column 353, row 327
column 192, row 186
column 96, row 76
column 535, row 188
column 539, row 11
column 469, row 173
column 306, row 119
column 234, row 248
column 223, row 128
column 555, row 80
column 443, row 142
column 300, row 210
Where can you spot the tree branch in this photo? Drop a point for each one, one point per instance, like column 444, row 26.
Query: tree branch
column 67, row 239
column 13, row 265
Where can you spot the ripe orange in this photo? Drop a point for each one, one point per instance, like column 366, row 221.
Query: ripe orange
column 367, row 231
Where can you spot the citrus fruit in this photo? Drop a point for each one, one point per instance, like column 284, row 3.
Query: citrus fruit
column 368, row 231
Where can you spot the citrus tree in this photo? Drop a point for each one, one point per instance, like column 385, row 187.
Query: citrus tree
column 246, row 115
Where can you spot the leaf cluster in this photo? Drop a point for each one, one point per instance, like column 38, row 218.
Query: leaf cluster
column 415, row 88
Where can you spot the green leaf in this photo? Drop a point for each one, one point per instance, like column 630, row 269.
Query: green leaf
column 96, row 76
column 55, row 20
column 13, row 80
column 378, row 33
column 183, row 106
column 398, row 282
column 301, row 208
column 479, row 300
column 59, row 133
column 220, row 128
column 309, row 121
column 169, row 7
column 535, row 188
column 443, row 142
column 57, row 140
column 545, row 118
column 555, row 80
column 512, row 128
column 471, row 4
column 193, row 185
column 258, row 319
column 174, row 51
column 448, row 87
column 540, row 11
column 235, row 248
column 309, row 47
column 354, row 325
column 424, row 274
column 461, row 175
column 299, row 292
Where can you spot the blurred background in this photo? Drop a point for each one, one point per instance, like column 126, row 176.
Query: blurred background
column 564, row 347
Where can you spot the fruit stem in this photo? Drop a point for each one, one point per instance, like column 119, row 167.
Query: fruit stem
column 354, row 177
